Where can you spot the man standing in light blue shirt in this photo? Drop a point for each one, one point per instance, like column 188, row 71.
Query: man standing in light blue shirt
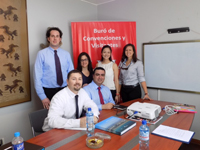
column 45, row 69
column 93, row 88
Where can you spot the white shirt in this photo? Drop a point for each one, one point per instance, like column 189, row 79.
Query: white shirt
column 62, row 111
column 109, row 76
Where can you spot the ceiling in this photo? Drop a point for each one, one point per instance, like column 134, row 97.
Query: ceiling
column 97, row 2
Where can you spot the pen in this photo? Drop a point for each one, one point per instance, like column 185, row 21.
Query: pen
column 8, row 148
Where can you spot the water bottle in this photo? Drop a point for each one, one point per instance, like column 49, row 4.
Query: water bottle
column 90, row 122
column 18, row 142
column 144, row 136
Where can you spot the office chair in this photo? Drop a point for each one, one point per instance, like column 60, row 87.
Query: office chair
column 36, row 120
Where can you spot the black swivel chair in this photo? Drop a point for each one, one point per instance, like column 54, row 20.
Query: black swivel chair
column 37, row 119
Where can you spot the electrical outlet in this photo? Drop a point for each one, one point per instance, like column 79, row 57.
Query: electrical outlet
column 1, row 141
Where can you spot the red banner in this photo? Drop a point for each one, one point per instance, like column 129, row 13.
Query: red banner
column 90, row 37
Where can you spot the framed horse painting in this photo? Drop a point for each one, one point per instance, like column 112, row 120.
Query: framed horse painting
column 14, row 57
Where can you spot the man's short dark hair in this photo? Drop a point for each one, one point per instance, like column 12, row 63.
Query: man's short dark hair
column 99, row 68
column 53, row 28
column 73, row 71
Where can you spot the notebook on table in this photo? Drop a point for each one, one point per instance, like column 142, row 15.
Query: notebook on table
column 115, row 125
column 181, row 135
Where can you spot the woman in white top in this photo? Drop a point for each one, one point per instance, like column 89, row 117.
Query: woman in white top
column 111, row 76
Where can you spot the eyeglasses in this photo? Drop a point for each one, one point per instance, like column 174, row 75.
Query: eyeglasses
column 124, row 68
column 82, row 60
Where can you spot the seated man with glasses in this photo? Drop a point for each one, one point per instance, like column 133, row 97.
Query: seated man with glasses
column 99, row 93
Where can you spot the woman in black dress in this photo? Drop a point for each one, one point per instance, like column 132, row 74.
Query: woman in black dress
column 85, row 66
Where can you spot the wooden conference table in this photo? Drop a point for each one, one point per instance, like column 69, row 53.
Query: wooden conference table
column 74, row 139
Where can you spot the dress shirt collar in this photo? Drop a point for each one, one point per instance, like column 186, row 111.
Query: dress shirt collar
column 53, row 49
column 71, row 94
column 95, row 85
column 125, row 60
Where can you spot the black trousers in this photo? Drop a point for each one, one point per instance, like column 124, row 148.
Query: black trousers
column 130, row 93
column 50, row 92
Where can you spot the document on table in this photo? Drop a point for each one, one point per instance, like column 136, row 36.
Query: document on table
column 174, row 133
column 76, row 128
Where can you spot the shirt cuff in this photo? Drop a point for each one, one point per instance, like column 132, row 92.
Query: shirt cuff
column 76, row 123
column 100, row 107
column 141, row 79
column 42, row 96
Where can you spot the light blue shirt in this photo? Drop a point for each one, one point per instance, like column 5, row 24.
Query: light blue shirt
column 92, row 90
column 45, row 72
column 133, row 75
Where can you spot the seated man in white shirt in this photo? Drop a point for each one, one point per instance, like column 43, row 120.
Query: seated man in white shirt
column 62, row 112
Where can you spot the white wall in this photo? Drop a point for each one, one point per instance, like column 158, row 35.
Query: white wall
column 41, row 15
column 153, row 18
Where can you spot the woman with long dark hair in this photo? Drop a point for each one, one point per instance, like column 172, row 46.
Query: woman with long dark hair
column 131, row 75
column 85, row 66
column 111, row 76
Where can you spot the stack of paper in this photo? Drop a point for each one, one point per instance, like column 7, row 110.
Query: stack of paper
column 174, row 133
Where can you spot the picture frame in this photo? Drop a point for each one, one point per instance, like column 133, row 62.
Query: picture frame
column 14, row 53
